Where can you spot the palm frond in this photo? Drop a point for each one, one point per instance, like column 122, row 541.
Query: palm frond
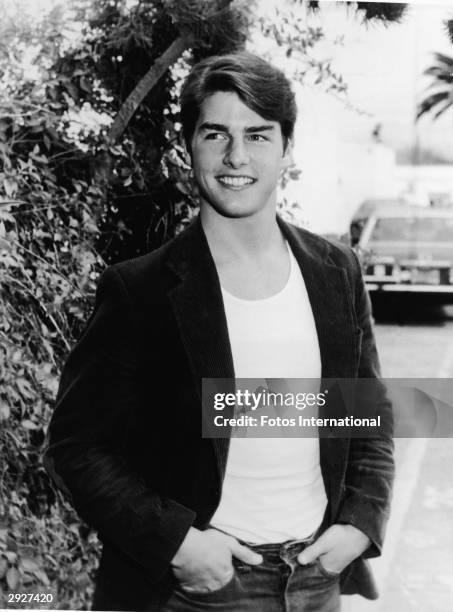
column 441, row 108
column 433, row 100
column 438, row 97
column 443, row 61
column 440, row 74
column 385, row 12
column 449, row 28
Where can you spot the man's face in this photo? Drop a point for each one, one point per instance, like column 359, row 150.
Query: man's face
column 237, row 157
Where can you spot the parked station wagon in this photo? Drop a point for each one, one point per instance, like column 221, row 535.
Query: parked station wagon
column 405, row 249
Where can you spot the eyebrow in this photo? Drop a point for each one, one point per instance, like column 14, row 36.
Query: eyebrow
column 218, row 127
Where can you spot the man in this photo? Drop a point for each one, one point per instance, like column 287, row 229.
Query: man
column 191, row 523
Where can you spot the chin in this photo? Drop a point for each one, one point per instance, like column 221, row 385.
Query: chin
column 235, row 212
column 237, row 205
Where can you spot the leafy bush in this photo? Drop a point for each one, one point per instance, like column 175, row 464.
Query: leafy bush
column 48, row 271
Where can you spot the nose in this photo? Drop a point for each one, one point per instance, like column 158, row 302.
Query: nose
column 236, row 154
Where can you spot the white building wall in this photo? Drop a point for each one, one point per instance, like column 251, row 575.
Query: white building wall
column 426, row 183
column 336, row 178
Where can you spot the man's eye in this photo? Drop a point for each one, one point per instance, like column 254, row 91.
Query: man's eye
column 216, row 136
column 257, row 138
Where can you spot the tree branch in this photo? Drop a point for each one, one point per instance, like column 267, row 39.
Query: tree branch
column 146, row 83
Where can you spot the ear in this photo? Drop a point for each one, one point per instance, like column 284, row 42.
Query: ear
column 187, row 152
column 288, row 159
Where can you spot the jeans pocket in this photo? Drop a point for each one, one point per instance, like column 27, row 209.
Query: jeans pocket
column 224, row 593
column 324, row 571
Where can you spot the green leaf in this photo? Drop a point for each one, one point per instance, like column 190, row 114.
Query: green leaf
column 11, row 556
column 85, row 85
column 10, row 187
column 29, row 565
column 183, row 188
column 24, row 387
column 3, row 567
column 42, row 576
column 12, row 578
column 27, row 424
column 28, row 578
column 4, row 411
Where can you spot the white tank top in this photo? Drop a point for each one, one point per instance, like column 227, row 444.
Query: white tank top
column 273, row 489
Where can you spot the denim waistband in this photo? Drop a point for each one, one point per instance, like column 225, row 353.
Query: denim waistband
column 279, row 547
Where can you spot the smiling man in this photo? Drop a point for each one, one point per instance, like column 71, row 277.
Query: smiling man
column 190, row 523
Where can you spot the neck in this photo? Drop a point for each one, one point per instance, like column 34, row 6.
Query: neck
column 234, row 239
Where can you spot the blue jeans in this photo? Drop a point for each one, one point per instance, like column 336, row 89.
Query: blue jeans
column 279, row 584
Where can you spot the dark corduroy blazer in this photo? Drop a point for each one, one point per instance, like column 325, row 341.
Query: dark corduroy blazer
column 125, row 439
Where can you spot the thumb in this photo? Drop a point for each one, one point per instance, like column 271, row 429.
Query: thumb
column 312, row 552
column 245, row 554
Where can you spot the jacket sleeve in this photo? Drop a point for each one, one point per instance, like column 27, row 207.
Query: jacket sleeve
column 98, row 393
column 370, row 470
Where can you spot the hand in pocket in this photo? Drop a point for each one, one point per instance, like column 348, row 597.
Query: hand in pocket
column 203, row 563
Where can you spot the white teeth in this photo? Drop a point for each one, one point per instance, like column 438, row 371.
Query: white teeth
column 235, row 181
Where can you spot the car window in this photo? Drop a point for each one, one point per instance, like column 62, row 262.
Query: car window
column 415, row 229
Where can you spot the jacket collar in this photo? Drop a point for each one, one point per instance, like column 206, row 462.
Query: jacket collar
column 330, row 296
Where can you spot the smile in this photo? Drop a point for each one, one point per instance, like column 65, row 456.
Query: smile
column 236, row 181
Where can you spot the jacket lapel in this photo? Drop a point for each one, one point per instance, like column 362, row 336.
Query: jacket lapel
column 330, row 297
column 331, row 302
column 198, row 307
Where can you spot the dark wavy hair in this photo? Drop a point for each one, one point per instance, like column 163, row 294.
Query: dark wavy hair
column 260, row 86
